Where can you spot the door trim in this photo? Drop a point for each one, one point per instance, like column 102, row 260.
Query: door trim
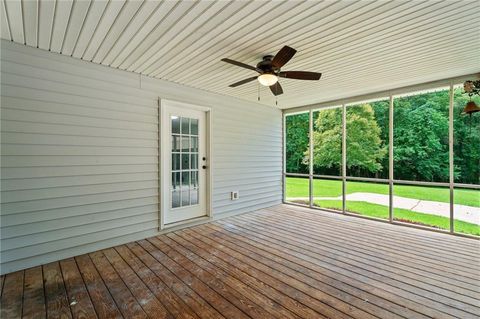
column 162, row 203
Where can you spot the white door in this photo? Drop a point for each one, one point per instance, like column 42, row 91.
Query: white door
column 185, row 163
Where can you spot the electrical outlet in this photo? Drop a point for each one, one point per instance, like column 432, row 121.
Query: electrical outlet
column 234, row 195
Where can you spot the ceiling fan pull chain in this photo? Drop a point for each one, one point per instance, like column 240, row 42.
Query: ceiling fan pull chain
column 276, row 93
column 258, row 90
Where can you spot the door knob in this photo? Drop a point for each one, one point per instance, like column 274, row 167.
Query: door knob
column 204, row 166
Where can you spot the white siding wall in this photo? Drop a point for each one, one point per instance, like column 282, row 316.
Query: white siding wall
column 79, row 155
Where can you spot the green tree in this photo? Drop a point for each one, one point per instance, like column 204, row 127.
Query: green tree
column 466, row 146
column 296, row 134
column 421, row 138
column 327, row 142
column 364, row 145
column 365, row 148
column 421, row 130
column 381, row 110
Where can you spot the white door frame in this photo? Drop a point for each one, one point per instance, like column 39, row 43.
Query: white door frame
column 162, row 153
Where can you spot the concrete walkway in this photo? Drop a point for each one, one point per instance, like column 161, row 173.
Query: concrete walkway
column 465, row 213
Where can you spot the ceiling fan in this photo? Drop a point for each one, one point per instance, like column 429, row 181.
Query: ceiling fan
column 269, row 70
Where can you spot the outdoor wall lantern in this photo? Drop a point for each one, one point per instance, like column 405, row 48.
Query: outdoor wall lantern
column 471, row 88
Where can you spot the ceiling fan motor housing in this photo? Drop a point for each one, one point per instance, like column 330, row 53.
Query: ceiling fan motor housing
column 265, row 66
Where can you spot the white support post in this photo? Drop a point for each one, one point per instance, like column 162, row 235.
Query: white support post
column 310, row 158
column 450, row 159
column 390, row 159
column 344, row 157
column 284, row 156
column 161, row 198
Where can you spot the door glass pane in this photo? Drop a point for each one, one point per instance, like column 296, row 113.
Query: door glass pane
column 194, row 197
column 175, row 125
column 175, row 143
column 185, row 125
column 193, row 144
column 185, row 179
column 176, row 189
column 327, row 193
column 176, row 198
column 185, row 144
column 194, row 127
column 194, row 179
column 175, row 180
column 175, row 161
column 185, row 197
column 194, row 161
column 185, row 155
column 185, row 188
column 185, row 161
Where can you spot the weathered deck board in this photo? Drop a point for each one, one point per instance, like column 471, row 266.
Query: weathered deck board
column 12, row 295
column 150, row 304
column 103, row 302
column 81, row 304
column 280, row 262
column 33, row 294
column 55, row 293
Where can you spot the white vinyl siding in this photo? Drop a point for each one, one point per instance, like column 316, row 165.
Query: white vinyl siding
column 79, row 155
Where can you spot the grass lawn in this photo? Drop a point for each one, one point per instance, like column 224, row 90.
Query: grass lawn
column 380, row 211
column 298, row 187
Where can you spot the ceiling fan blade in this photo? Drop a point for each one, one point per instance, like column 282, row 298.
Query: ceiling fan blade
column 240, row 64
column 300, row 75
column 243, row 82
column 276, row 89
column 283, row 56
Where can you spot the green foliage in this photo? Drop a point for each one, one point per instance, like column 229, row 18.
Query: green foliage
column 296, row 142
column 466, row 146
column 365, row 148
column 421, row 137
column 381, row 110
column 327, row 141
column 421, row 132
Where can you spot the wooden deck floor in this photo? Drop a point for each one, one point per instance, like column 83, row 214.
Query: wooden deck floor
column 281, row 262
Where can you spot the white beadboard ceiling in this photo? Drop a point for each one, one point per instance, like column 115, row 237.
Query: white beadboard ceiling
column 359, row 46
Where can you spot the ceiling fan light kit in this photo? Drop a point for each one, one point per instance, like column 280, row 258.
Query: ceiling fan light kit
column 267, row 79
column 269, row 70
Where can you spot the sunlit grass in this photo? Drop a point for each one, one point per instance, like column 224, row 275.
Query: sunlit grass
column 380, row 211
column 298, row 187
